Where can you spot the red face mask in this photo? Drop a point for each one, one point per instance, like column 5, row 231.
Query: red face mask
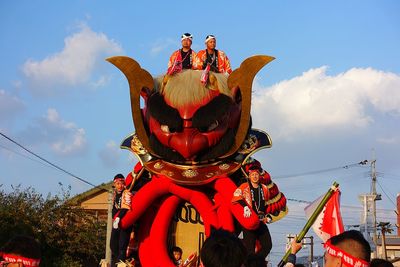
column 201, row 127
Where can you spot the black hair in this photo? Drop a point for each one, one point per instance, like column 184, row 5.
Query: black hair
column 177, row 249
column 355, row 244
column 254, row 260
column 186, row 34
column 380, row 263
column 119, row 176
column 222, row 249
column 24, row 246
column 254, row 168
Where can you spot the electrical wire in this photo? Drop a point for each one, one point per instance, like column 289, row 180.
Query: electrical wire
column 364, row 162
column 48, row 162
column 25, row 156
column 390, row 199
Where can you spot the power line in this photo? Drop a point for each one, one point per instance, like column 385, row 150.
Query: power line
column 48, row 162
column 298, row 200
column 364, row 162
column 387, row 195
column 25, row 156
column 343, row 206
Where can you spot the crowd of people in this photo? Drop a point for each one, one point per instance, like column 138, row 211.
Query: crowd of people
column 223, row 249
column 220, row 249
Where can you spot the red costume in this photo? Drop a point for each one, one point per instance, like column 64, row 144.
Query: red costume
column 221, row 61
column 180, row 60
column 257, row 194
column 190, row 139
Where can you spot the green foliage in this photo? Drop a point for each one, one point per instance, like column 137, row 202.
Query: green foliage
column 68, row 235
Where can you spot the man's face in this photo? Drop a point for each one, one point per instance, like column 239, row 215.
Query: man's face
column 254, row 177
column 211, row 44
column 16, row 264
column 331, row 261
column 177, row 255
column 186, row 43
column 11, row 264
column 119, row 185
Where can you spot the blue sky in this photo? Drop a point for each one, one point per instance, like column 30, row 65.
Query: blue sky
column 330, row 99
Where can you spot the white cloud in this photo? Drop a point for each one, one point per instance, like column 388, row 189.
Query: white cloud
column 110, row 154
column 74, row 64
column 10, row 106
column 101, row 81
column 161, row 45
column 77, row 142
column 389, row 140
column 64, row 138
column 316, row 102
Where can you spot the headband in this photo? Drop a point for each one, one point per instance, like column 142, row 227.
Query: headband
column 27, row 262
column 186, row 36
column 347, row 259
column 119, row 179
column 254, row 170
column 209, row 37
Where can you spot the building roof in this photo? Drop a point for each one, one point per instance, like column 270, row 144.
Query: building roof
column 391, row 240
column 78, row 199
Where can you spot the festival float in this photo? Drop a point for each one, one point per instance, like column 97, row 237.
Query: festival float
column 194, row 142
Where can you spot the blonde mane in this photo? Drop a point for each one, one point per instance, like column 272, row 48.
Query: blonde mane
column 185, row 87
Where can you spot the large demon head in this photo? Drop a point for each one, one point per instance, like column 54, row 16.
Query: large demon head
column 186, row 122
column 191, row 122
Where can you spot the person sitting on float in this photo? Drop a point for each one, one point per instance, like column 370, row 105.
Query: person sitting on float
column 183, row 58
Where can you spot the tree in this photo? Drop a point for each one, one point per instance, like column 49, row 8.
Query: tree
column 68, row 235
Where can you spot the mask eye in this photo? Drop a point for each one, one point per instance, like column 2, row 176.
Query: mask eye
column 212, row 126
column 165, row 128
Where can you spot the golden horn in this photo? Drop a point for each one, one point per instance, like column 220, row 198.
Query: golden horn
column 138, row 79
column 242, row 78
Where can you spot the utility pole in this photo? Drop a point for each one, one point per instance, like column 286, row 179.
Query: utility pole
column 373, row 192
column 109, row 227
column 311, row 250
column 368, row 220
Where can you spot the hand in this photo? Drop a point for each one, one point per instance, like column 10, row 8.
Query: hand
column 246, row 212
column 127, row 198
column 267, row 218
column 295, row 247
column 116, row 223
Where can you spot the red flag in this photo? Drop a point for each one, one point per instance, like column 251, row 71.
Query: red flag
column 329, row 222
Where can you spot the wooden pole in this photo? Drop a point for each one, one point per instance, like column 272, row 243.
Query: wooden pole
column 311, row 220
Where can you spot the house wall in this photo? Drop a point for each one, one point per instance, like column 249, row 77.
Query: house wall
column 98, row 202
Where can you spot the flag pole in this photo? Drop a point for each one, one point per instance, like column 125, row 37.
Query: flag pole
column 311, row 220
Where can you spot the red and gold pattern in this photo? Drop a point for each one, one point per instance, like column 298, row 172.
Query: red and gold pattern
column 193, row 175
column 224, row 65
